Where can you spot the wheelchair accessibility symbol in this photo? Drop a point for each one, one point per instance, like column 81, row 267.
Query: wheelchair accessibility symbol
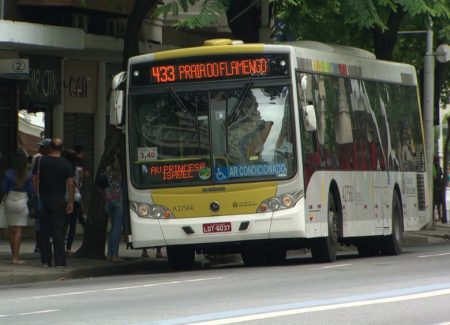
column 220, row 173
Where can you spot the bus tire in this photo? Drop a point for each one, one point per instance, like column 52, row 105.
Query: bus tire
column 181, row 258
column 324, row 249
column 392, row 244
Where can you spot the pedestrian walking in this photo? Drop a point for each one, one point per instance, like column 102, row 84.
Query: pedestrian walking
column 72, row 218
column 114, row 207
column 80, row 159
column 55, row 175
column 85, row 173
column 17, row 188
column 438, row 189
column 44, row 149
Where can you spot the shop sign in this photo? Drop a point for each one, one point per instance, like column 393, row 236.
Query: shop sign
column 44, row 85
column 80, row 86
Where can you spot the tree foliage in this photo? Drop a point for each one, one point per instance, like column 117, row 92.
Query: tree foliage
column 208, row 14
column 371, row 24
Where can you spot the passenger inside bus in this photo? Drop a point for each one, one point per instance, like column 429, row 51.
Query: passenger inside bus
column 247, row 132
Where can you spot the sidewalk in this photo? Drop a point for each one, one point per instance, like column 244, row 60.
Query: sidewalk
column 440, row 234
column 32, row 271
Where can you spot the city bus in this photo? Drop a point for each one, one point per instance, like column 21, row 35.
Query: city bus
column 258, row 149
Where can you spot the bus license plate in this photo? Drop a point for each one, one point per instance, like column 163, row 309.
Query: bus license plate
column 217, row 227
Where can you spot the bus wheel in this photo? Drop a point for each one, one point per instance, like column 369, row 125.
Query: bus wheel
column 253, row 255
column 180, row 257
column 324, row 249
column 392, row 244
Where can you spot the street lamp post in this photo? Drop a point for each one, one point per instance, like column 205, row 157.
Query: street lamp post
column 428, row 109
column 428, row 102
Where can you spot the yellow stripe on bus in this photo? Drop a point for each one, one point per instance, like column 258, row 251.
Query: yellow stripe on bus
column 233, row 199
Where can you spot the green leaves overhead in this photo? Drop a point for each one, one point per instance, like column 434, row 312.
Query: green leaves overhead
column 350, row 22
column 166, row 9
column 207, row 15
column 360, row 13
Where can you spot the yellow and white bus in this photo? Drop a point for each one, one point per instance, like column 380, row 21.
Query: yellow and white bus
column 259, row 149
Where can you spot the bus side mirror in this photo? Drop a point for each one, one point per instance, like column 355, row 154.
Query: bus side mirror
column 303, row 83
column 116, row 100
column 309, row 118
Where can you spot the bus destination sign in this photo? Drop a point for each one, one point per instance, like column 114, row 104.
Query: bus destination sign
column 210, row 68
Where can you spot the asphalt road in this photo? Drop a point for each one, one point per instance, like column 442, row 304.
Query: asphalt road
column 413, row 288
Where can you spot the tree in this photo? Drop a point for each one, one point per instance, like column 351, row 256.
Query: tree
column 94, row 235
column 373, row 25
column 244, row 20
column 139, row 12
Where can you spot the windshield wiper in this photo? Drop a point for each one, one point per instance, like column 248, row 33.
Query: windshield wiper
column 193, row 116
column 232, row 117
column 179, row 102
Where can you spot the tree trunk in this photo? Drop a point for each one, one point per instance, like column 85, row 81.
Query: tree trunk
column 136, row 18
column 384, row 41
column 94, row 236
column 244, row 20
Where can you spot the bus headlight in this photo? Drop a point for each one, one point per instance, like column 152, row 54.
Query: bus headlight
column 280, row 202
column 152, row 211
column 274, row 204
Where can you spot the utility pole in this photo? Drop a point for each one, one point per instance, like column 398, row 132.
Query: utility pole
column 428, row 102
column 428, row 110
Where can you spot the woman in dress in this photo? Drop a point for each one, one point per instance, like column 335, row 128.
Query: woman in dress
column 17, row 187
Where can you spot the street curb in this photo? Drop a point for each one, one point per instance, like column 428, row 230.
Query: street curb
column 414, row 239
column 142, row 265
column 14, row 277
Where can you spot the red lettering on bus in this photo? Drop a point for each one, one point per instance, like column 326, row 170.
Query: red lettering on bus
column 221, row 69
column 181, row 72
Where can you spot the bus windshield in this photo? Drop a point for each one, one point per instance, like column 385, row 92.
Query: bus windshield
column 211, row 136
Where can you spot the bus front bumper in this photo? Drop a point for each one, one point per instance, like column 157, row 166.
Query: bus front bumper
column 287, row 223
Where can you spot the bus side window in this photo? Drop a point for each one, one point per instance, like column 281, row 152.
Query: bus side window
column 344, row 130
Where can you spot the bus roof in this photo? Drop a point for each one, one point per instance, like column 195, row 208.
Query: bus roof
column 311, row 56
column 333, row 48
